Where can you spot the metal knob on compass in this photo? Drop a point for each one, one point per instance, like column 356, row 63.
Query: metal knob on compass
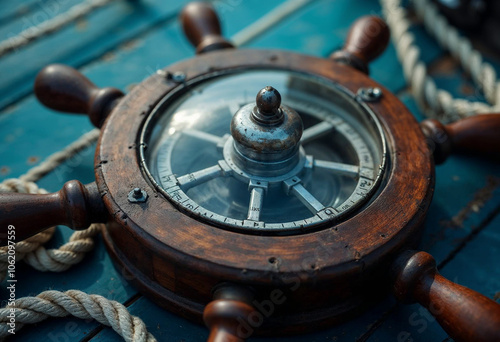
column 268, row 109
column 266, row 134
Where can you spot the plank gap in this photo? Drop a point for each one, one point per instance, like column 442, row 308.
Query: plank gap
column 475, row 231
column 377, row 323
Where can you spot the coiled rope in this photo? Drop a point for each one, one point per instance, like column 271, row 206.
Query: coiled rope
column 55, row 303
column 439, row 103
column 47, row 304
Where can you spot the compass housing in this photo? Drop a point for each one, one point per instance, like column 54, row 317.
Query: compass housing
column 216, row 155
column 327, row 273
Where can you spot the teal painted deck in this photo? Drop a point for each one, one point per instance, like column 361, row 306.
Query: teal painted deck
column 123, row 43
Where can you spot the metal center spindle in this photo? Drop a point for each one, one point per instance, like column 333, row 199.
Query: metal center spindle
column 266, row 135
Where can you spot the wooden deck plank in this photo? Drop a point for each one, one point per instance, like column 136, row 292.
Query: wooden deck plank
column 166, row 326
column 323, row 27
column 11, row 10
column 83, row 42
column 28, row 14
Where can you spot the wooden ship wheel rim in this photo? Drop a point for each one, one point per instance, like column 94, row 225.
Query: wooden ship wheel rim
column 407, row 189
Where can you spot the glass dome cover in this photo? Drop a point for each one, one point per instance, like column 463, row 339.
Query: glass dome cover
column 261, row 167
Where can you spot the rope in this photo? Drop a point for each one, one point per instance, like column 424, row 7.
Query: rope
column 50, row 26
column 29, row 310
column 69, row 254
column 440, row 103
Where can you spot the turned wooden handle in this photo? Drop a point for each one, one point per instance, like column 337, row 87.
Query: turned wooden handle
column 478, row 134
column 65, row 89
column 75, row 205
column 368, row 37
column 227, row 316
column 463, row 313
column 202, row 28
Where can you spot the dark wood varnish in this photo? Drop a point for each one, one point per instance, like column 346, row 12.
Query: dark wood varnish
column 328, row 275
column 368, row 37
column 464, row 314
column 478, row 134
column 75, row 205
column 65, row 89
column 202, row 27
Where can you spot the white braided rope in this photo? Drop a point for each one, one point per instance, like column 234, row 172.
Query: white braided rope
column 29, row 310
column 47, row 27
column 67, row 255
column 440, row 103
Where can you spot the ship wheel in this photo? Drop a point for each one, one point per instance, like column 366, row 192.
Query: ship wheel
column 264, row 190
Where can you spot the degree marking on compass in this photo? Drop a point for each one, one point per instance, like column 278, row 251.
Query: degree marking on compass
column 368, row 178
